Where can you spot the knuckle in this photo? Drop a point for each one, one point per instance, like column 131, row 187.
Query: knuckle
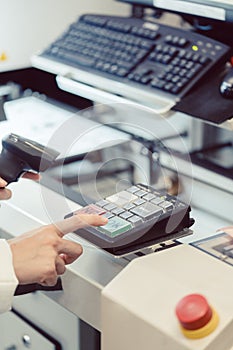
column 80, row 249
column 49, row 275
column 50, row 269
column 52, row 239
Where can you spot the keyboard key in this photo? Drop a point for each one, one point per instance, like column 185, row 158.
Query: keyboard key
column 115, row 227
column 121, row 72
column 182, row 42
column 147, row 210
column 77, row 58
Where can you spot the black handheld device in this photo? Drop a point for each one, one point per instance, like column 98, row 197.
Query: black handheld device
column 20, row 155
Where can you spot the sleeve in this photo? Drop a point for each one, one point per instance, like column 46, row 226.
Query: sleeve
column 8, row 279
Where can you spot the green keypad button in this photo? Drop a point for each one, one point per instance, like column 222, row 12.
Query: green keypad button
column 115, row 227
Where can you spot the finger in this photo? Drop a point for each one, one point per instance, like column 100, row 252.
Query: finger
column 69, row 259
column 60, row 265
column 31, row 176
column 3, row 183
column 5, row 194
column 49, row 281
column 79, row 221
column 69, row 251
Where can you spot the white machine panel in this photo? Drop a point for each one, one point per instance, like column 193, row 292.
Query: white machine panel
column 138, row 306
column 17, row 334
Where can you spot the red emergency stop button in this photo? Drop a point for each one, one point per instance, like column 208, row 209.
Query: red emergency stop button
column 193, row 311
column 197, row 318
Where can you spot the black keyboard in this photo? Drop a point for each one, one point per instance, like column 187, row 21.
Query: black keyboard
column 148, row 58
column 138, row 217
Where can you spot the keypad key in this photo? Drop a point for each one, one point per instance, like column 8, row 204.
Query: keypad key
column 117, row 211
column 115, row 227
column 110, row 206
column 91, row 209
column 166, row 205
column 121, row 198
column 178, row 204
column 139, row 201
column 129, row 206
column 126, row 215
column 102, row 203
column 147, row 210
column 141, row 193
column 157, row 200
column 136, row 220
column 149, row 196
column 108, row 215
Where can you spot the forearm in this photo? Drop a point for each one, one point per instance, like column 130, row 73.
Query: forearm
column 8, row 279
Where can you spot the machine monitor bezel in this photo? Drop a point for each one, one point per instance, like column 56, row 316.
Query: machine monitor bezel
column 220, row 10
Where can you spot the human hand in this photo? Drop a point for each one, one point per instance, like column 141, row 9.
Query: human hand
column 5, row 193
column 40, row 256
